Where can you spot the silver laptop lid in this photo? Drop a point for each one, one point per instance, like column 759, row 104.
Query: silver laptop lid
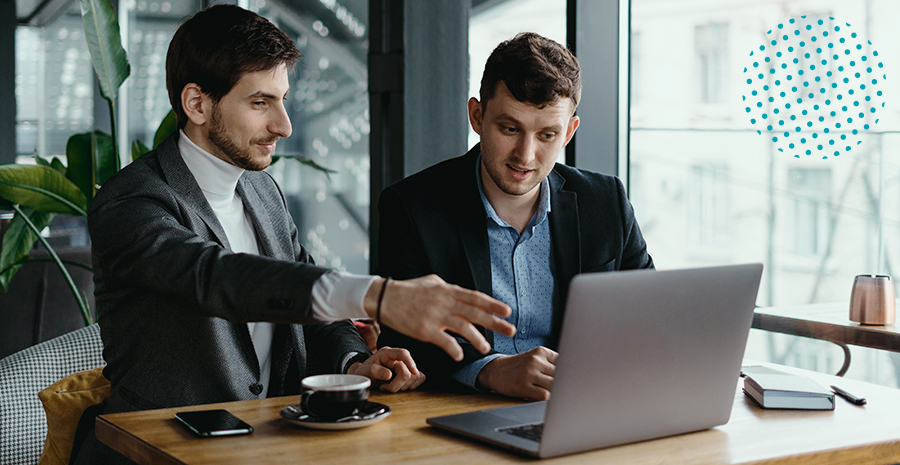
column 647, row 354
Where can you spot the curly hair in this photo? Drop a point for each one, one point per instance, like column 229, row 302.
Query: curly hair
column 535, row 69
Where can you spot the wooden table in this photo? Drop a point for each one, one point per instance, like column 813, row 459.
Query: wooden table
column 829, row 322
column 847, row 435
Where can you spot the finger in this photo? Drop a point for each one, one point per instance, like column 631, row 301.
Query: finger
column 477, row 316
column 401, row 377
column 483, row 302
column 447, row 343
column 402, row 356
column 537, row 393
column 410, row 383
column 552, row 356
column 542, row 381
column 469, row 333
column 419, row 380
column 376, row 372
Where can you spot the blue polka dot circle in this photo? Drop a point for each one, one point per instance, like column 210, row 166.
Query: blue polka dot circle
column 814, row 87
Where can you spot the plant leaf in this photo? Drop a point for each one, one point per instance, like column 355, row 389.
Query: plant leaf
column 101, row 29
column 168, row 125
column 310, row 163
column 53, row 163
column 137, row 149
column 58, row 165
column 41, row 188
column 92, row 160
column 81, row 170
column 17, row 242
column 105, row 159
column 5, row 204
column 40, row 160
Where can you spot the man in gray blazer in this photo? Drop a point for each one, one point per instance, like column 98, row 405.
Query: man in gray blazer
column 203, row 291
column 507, row 220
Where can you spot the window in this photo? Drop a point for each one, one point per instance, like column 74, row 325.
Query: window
column 711, row 45
column 814, row 222
column 808, row 198
column 634, row 70
column 708, row 208
column 499, row 21
column 54, row 85
column 328, row 105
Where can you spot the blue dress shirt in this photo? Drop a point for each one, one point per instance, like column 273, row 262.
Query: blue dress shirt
column 522, row 276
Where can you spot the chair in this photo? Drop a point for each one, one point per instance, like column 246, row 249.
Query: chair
column 23, row 425
column 38, row 305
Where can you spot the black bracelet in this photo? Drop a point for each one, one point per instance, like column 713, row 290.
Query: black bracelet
column 381, row 299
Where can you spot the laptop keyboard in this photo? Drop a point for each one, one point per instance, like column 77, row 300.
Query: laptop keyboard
column 532, row 432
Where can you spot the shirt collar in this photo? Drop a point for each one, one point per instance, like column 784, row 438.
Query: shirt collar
column 543, row 208
column 216, row 177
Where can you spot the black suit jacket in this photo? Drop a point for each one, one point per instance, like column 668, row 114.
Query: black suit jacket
column 173, row 301
column 434, row 222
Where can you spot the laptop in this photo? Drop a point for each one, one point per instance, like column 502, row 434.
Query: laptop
column 643, row 354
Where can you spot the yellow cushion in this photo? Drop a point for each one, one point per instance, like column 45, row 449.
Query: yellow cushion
column 64, row 402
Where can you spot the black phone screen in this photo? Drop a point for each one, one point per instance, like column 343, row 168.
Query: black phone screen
column 213, row 423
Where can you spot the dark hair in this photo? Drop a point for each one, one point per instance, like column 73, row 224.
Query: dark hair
column 217, row 46
column 534, row 68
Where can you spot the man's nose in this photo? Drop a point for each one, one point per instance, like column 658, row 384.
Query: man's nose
column 526, row 149
column 281, row 123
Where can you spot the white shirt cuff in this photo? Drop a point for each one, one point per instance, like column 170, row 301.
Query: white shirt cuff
column 338, row 295
column 346, row 358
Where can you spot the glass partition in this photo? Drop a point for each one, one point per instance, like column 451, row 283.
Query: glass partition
column 757, row 135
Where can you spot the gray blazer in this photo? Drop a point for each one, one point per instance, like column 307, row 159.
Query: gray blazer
column 173, row 301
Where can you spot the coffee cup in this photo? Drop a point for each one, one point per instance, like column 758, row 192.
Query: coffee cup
column 330, row 397
column 872, row 300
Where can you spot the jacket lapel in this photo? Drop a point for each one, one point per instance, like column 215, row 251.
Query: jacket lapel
column 179, row 177
column 472, row 228
column 472, row 225
column 566, row 238
column 262, row 220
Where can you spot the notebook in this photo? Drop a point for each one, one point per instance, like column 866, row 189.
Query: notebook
column 786, row 391
column 643, row 354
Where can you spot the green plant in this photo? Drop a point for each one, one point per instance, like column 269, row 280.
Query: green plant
column 37, row 192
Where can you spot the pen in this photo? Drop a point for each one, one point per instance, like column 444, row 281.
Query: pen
column 850, row 397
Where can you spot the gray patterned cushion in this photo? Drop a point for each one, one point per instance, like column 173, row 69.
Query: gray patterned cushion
column 23, row 426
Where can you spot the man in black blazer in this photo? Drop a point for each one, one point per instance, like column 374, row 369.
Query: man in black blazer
column 203, row 291
column 506, row 220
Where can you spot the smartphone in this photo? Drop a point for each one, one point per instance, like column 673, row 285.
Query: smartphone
column 208, row 423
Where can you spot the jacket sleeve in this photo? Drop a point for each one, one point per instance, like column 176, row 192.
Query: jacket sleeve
column 141, row 243
column 634, row 253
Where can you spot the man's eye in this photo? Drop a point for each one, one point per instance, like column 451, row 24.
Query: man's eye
column 259, row 103
column 549, row 136
column 510, row 129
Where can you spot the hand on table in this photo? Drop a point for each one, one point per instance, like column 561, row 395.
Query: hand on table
column 388, row 362
column 425, row 308
column 528, row 375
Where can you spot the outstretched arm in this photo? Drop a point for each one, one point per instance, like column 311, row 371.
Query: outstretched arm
column 426, row 308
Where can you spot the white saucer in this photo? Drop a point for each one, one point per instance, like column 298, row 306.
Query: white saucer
column 370, row 413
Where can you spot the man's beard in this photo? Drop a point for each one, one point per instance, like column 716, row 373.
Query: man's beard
column 497, row 177
column 225, row 145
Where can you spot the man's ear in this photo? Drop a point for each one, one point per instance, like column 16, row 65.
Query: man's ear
column 475, row 115
column 195, row 104
column 574, row 121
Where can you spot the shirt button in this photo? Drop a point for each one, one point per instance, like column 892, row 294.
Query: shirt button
column 256, row 388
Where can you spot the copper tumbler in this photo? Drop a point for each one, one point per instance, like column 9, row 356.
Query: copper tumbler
column 872, row 300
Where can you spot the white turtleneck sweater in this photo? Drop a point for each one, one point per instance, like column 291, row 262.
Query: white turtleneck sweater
column 335, row 296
